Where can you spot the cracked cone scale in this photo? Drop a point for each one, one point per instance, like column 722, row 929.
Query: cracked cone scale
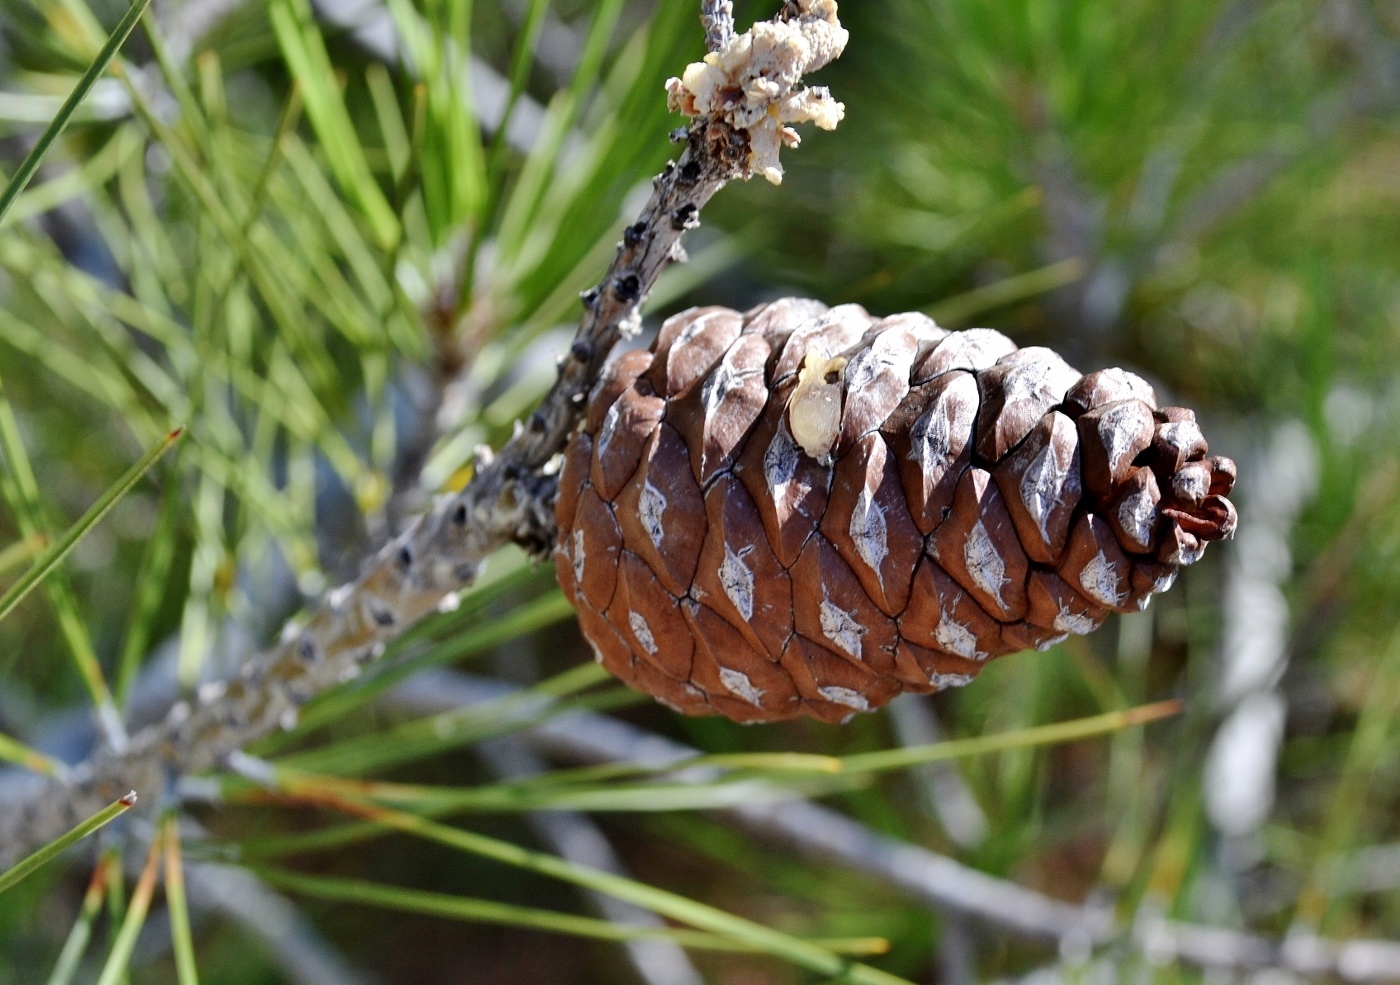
column 805, row 511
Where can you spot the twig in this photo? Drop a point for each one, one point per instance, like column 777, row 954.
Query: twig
column 509, row 501
column 1241, row 765
column 946, row 795
column 574, row 836
column 274, row 921
column 934, row 879
column 718, row 18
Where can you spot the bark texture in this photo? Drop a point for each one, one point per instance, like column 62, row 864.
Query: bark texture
column 510, row 499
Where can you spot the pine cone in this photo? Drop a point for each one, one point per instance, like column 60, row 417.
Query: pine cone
column 800, row 511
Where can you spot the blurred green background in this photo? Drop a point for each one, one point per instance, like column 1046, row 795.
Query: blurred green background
column 343, row 242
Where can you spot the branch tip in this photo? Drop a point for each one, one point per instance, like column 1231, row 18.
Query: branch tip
column 717, row 16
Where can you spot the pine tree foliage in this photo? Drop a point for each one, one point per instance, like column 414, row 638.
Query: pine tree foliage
column 342, row 245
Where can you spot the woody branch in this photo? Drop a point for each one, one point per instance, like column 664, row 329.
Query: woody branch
column 736, row 128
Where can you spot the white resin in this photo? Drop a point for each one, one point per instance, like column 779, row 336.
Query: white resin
column 1118, row 427
column 869, row 532
column 739, row 685
column 984, row 562
column 1181, row 434
column 1100, row 581
column 1075, row 622
column 1138, row 514
column 841, row 628
column 578, row 556
column 651, row 505
column 1191, row 485
column 720, row 384
column 1042, row 486
column 612, row 420
column 956, row 638
column 844, row 696
column 737, row 580
column 814, row 409
column 932, row 436
column 641, row 631
column 780, row 461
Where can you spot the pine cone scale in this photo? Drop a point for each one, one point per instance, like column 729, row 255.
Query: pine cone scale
column 972, row 350
column 1096, row 567
column 936, row 449
column 977, row 545
column 1112, row 437
column 728, row 668
column 572, row 478
column 593, row 550
column 716, row 417
column 650, row 621
column 952, row 622
column 829, row 335
column 805, row 511
column 622, row 439
column 832, row 609
column 831, row 686
column 789, row 488
column 1040, row 483
column 867, row 520
column 684, row 357
column 876, row 381
column 1054, row 605
column 738, row 574
column 661, row 512
column 1016, row 393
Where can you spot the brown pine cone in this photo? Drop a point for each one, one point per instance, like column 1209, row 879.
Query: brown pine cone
column 798, row 510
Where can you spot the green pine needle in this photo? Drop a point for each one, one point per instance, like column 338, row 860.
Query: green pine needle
column 119, row 958
column 505, row 914
column 66, row 968
column 181, row 936
column 70, row 105
column 18, row 753
column 698, row 915
column 46, row 854
column 64, row 545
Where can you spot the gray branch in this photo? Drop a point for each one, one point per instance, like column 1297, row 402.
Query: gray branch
column 510, row 500
column 945, row 793
column 574, row 836
column 828, row 837
column 273, row 920
column 718, row 18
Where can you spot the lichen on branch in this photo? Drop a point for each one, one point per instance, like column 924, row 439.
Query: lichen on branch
column 753, row 82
